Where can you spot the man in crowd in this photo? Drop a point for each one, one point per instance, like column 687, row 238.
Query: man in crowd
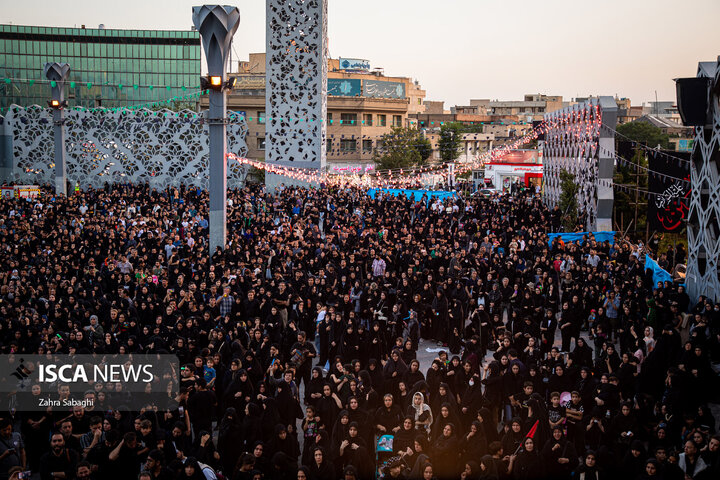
column 128, row 270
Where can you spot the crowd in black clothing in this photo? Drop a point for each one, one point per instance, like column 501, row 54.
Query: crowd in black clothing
column 298, row 342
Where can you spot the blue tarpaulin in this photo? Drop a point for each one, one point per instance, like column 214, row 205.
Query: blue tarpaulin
column 414, row 194
column 659, row 275
column 578, row 236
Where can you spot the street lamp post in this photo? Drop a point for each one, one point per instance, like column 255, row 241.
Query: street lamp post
column 217, row 25
column 58, row 74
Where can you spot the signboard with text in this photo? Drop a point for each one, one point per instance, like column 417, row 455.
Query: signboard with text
column 381, row 89
column 344, row 87
column 248, row 82
column 354, row 64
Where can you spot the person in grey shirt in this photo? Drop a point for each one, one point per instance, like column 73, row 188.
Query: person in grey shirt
column 593, row 260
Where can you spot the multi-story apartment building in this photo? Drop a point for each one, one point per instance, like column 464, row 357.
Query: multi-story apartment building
column 363, row 105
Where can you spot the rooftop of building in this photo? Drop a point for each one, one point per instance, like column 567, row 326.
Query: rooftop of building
column 101, row 31
column 660, row 122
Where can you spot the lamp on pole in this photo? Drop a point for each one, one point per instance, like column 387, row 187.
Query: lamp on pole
column 58, row 74
column 217, row 25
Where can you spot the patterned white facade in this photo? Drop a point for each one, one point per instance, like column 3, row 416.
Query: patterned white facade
column 581, row 140
column 159, row 147
column 703, row 269
column 296, row 84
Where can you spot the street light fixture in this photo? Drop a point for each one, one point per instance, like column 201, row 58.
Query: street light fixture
column 214, row 82
column 58, row 74
column 57, row 104
column 217, row 24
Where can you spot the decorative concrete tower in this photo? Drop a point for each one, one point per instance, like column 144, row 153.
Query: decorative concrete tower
column 296, row 86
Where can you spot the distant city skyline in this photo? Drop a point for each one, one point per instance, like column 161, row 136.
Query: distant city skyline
column 466, row 49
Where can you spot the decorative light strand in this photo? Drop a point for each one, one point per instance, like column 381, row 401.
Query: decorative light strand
column 386, row 178
column 645, row 147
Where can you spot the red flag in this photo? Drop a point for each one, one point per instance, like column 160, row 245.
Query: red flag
column 530, row 434
column 532, row 431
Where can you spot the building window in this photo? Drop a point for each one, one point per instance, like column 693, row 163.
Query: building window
column 348, row 118
column 261, row 117
column 397, row 120
column 329, row 118
column 382, row 120
column 261, row 143
column 367, row 118
column 328, row 145
column 348, row 145
column 367, row 146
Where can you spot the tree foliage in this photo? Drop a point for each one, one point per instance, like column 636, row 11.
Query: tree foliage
column 175, row 106
column 635, row 177
column 254, row 174
column 402, row 148
column 450, row 141
column 624, row 202
column 568, row 200
column 643, row 132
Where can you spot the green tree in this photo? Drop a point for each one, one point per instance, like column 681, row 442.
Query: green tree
column 450, row 141
column 643, row 132
column 255, row 175
column 424, row 149
column 402, row 148
column 568, row 200
column 635, row 177
column 627, row 179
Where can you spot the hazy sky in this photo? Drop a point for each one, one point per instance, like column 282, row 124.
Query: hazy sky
column 462, row 49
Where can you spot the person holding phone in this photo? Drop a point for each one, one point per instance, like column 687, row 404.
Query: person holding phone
column 12, row 449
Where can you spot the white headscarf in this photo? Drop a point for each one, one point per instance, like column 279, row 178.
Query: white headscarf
column 420, row 409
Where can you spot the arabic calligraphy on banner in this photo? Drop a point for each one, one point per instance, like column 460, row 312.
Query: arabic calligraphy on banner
column 381, row 89
column 668, row 208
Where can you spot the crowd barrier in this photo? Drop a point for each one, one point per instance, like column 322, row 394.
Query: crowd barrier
column 578, row 236
column 416, row 195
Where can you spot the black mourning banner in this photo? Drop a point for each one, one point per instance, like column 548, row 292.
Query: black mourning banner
column 669, row 201
column 626, row 149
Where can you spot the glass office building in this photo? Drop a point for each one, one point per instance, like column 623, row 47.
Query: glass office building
column 100, row 61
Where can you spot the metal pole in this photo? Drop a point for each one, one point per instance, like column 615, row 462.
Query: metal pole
column 217, row 25
column 218, row 171
column 58, row 74
column 60, row 168
column 637, row 198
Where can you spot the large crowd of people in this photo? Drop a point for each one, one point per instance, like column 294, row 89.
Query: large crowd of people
column 299, row 341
